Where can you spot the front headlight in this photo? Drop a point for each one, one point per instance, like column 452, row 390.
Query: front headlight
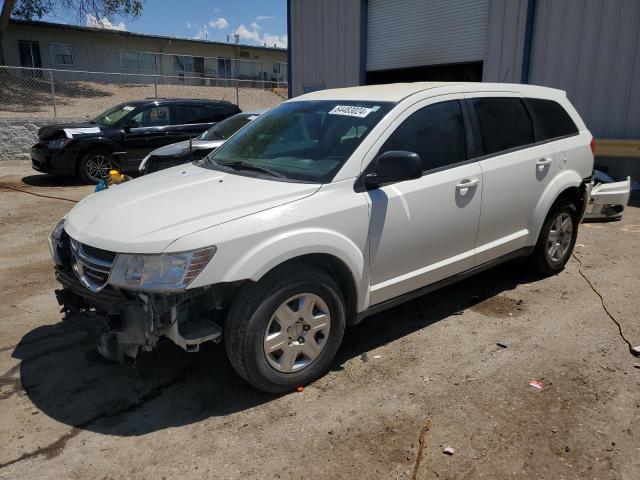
column 167, row 272
column 54, row 242
column 59, row 143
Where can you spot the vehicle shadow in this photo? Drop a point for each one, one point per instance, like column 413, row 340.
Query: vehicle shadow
column 65, row 377
column 46, row 180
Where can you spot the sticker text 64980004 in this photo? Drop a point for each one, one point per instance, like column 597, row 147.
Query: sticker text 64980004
column 351, row 111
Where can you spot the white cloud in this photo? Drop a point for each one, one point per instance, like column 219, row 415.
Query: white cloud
column 255, row 26
column 95, row 22
column 262, row 18
column 203, row 33
column 219, row 23
column 189, row 25
column 256, row 37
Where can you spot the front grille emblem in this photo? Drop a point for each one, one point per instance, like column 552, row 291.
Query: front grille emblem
column 91, row 265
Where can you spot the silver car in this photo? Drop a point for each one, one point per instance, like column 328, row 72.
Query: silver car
column 201, row 146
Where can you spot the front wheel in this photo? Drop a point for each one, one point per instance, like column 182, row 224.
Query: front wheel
column 284, row 331
column 95, row 166
column 556, row 241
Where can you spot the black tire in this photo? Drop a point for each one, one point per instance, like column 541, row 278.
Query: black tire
column 88, row 163
column 252, row 312
column 541, row 259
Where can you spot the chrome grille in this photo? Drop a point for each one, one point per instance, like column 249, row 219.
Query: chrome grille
column 91, row 265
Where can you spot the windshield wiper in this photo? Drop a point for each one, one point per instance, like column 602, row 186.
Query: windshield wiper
column 242, row 165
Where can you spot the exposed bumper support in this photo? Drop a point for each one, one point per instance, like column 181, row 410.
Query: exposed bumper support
column 136, row 321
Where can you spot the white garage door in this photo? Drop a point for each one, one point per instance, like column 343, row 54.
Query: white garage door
column 410, row 33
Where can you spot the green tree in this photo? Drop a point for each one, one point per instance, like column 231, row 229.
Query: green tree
column 36, row 9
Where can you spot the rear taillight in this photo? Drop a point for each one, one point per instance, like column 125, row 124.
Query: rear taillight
column 593, row 146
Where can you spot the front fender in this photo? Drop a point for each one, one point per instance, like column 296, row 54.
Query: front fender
column 273, row 251
column 566, row 179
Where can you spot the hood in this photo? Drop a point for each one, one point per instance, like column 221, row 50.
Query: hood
column 182, row 148
column 147, row 214
column 68, row 130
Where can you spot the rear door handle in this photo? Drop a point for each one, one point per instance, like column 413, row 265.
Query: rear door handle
column 468, row 183
column 544, row 161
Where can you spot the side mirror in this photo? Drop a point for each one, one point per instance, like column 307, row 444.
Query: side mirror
column 393, row 167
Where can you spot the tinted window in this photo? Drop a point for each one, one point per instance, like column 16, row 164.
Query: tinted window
column 552, row 120
column 436, row 133
column 186, row 114
column 218, row 114
column 504, row 123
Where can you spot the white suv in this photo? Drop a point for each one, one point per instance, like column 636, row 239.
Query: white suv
column 328, row 208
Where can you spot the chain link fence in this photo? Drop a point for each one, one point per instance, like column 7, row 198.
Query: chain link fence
column 50, row 93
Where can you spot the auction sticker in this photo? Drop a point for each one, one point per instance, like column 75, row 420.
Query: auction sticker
column 351, row 111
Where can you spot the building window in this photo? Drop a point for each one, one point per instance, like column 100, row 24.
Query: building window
column 183, row 64
column 277, row 66
column 61, row 54
column 129, row 59
column 148, row 61
column 135, row 60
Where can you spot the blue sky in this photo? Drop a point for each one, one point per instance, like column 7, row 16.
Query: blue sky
column 256, row 21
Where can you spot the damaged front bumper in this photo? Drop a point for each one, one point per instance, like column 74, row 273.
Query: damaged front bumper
column 136, row 321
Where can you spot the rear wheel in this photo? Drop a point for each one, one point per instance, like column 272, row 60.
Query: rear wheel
column 284, row 331
column 556, row 241
column 95, row 166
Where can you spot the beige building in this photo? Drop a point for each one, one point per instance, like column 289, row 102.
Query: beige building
column 68, row 47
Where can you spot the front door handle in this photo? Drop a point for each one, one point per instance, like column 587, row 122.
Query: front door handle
column 544, row 161
column 467, row 183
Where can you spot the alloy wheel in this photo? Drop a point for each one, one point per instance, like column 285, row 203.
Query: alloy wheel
column 559, row 238
column 297, row 333
column 98, row 167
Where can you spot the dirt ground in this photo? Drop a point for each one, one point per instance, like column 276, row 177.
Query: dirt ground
column 65, row 413
column 81, row 99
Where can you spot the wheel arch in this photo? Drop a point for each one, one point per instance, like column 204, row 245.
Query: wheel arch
column 329, row 251
column 567, row 186
column 83, row 149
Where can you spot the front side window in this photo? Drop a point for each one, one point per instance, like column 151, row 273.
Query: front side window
column 306, row 141
column 504, row 123
column 153, row 117
column 61, row 54
column 552, row 120
column 435, row 132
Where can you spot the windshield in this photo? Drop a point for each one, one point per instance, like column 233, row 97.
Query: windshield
column 226, row 128
column 306, row 140
column 113, row 115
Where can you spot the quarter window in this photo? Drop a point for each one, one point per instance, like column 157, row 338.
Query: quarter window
column 61, row 54
column 552, row 120
column 504, row 123
column 435, row 132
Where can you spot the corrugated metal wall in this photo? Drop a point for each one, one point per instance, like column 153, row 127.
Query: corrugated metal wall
column 505, row 41
column 591, row 49
column 408, row 33
column 325, row 43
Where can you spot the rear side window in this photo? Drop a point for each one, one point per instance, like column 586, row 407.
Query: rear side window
column 552, row 120
column 217, row 114
column 186, row 114
column 435, row 132
column 504, row 123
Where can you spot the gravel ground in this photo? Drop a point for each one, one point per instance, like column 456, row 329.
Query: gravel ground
column 65, row 413
column 80, row 99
